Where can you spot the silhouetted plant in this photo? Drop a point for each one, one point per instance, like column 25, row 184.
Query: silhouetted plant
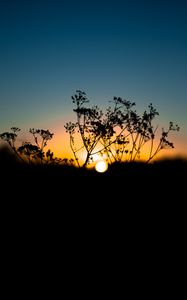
column 10, row 138
column 119, row 134
column 89, row 125
column 27, row 151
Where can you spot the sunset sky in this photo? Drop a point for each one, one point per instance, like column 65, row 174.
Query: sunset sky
column 132, row 49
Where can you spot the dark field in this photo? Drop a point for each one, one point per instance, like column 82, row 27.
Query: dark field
column 121, row 182
column 138, row 203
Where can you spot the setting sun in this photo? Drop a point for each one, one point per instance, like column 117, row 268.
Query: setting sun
column 101, row 166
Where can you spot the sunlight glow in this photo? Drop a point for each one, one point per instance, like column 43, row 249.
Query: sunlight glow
column 101, row 166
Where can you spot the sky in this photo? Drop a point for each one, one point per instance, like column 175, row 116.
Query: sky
column 132, row 49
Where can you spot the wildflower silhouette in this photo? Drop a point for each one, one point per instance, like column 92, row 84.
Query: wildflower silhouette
column 120, row 134
column 28, row 152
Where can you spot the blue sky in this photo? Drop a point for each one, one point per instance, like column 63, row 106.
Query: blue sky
column 132, row 49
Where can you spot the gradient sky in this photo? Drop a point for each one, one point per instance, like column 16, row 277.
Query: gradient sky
column 132, row 49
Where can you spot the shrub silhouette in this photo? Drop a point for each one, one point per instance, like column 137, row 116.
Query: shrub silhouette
column 28, row 152
column 119, row 134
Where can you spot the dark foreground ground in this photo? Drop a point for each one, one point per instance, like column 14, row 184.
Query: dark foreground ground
column 137, row 207
column 134, row 191
column 162, row 180
column 132, row 215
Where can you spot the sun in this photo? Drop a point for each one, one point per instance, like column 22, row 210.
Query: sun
column 101, row 166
